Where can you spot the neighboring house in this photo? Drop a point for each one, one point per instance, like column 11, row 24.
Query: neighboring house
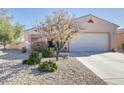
column 120, row 39
column 97, row 35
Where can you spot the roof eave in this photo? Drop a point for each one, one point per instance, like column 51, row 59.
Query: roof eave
column 98, row 18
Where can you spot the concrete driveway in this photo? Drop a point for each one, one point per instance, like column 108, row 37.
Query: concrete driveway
column 108, row 66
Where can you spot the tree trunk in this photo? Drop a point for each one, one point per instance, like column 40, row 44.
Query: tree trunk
column 57, row 51
column 4, row 45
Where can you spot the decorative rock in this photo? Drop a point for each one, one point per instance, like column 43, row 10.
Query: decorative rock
column 70, row 72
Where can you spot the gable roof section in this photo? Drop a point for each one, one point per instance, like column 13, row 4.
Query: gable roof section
column 98, row 18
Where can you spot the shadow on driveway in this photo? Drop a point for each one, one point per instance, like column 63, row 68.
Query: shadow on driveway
column 12, row 54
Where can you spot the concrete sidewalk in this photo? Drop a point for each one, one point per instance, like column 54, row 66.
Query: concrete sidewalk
column 108, row 66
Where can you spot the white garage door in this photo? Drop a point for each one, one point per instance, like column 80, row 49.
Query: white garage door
column 89, row 42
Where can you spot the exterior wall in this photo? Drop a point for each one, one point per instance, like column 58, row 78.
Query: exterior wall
column 120, row 40
column 28, row 33
column 98, row 25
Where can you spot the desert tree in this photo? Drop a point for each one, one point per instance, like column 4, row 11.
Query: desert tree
column 17, row 33
column 59, row 28
column 9, row 32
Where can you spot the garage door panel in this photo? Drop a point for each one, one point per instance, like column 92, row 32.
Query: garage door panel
column 89, row 42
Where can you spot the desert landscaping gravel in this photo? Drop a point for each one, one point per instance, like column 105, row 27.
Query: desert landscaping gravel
column 70, row 72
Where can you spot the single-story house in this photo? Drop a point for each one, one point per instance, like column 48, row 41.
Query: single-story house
column 98, row 35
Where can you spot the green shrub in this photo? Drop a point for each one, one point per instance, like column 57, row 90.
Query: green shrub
column 25, row 61
column 48, row 66
column 34, row 58
column 122, row 46
column 48, row 52
column 43, row 48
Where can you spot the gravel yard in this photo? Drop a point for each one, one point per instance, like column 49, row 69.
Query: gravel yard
column 70, row 72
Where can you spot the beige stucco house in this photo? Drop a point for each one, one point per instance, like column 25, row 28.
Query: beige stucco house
column 97, row 35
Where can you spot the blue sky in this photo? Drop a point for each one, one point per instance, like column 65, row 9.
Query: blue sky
column 31, row 16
